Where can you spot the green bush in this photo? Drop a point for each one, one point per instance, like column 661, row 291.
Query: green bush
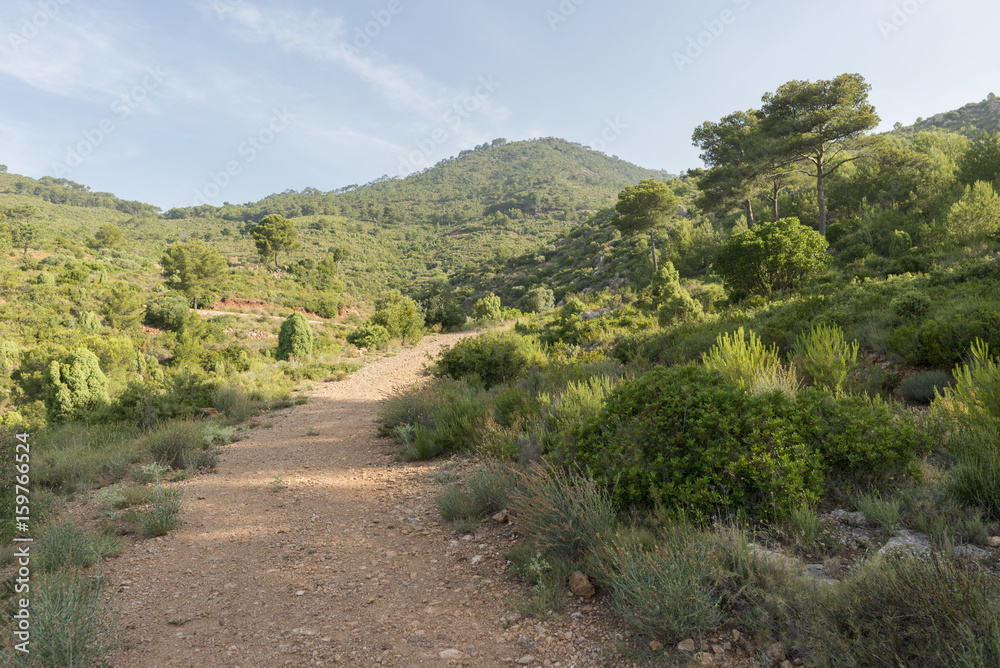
column 493, row 358
column 45, row 278
column 539, row 300
column 89, row 322
column 161, row 517
column 666, row 592
column 75, row 387
column 825, row 357
column 74, row 622
column 369, row 336
column 976, row 390
column 176, row 444
column 487, row 309
column 692, row 438
column 295, row 339
column 923, row 386
column 771, row 256
column 400, row 316
column 565, row 514
column 492, row 488
column 740, row 357
column 167, row 311
column 911, row 304
column 66, row 545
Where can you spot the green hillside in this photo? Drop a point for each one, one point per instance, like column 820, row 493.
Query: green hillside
column 970, row 120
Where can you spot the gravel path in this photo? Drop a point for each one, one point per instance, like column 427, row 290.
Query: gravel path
column 348, row 564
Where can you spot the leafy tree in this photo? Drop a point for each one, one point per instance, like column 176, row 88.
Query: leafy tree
column 370, row 336
column 25, row 230
column 295, row 339
column 74, row 386
column 124, row 305
column 88, row 322
column 191, row 267
column 400, row 316
column 440, row 305
column 820, row 124
column 771, row 256
column 975, row 217
column 487, row 308
column 982, row 161
column 108, row 236
column 642, row 208
column 167, row 311
column 539, row 300
column 273, row 235
column 674, row 304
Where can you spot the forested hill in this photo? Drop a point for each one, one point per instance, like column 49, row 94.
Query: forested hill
column 535, row 177
column 971, row 120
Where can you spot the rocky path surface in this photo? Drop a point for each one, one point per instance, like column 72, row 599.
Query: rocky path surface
column 347, row 564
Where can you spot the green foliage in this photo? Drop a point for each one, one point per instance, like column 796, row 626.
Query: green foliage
column 295, row 340
column 982, row 161
column 73, row 620
column 666, row 592
column 167, row 311
column 492, row 358
column 975, row 477
column 176, row 444
column 64, row 545
column 274, row 234
column 692, row 438
column 45, row 278
column 879, row 511
column 976, row 390
column 192, row 268
column 75, row 386
column 369, row 336
column 976, row 217
column 566, row 514
column 88, row 322
column 108, row 235
column 539, row 300
column 123, row 307
column 923, row 386
column 400, row 316
column 642, row 208
column 440, row 305
column 741, row 357
column 487, row 309
column 911, row 304
column 771, row 256
column 161, row 517
column 825, row 357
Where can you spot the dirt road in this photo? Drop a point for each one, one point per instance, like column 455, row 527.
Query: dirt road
column 347, row 564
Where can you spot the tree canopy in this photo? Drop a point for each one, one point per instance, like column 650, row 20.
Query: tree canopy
column 191, row 267
column 274, row 234
column 644, row 207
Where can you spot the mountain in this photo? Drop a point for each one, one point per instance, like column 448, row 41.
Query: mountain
column 971, row 120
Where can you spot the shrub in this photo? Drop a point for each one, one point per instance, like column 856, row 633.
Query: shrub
column 539, row 300
column 975, row 476
column 455, row 504
column 923, row 386
column 400, row 316
column 976, row 391
column 295, row 339
column 493, row 358
column 167, row 311
column 66, row 545
column 492, row 488
column 73, row 621
column 825, row 357
column 911, row 304
column 687, row 435
column 565, row 514
column 976, row 216
column 175, row 444
column 89, row 322
column 45, row 278
column 879, row 511
column 666, row 592
column 10, row 354
column 161, row 517
column 740, row 357
column 440, row 305
column 74, row 387
column 234, row 402
column 369, row 336
column 771, row 256
column 487, row 309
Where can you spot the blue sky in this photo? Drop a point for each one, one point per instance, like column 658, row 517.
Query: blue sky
column 191, row 101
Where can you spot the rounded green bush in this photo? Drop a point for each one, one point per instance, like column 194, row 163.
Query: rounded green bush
column 89, row 322
column 487, row 308
column 921, row 387
column 74, row 386
column 695, row 440
column 370, row 336
column 400, row 316
column 539, row 300
column 167, row 311
column 295, row 339
column 493, row 357
column 911, row 304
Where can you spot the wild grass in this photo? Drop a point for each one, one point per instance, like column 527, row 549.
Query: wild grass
column 67, row 545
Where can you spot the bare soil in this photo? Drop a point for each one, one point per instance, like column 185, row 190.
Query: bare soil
column 348, row 563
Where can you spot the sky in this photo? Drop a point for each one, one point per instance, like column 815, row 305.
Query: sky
column 188, row 102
